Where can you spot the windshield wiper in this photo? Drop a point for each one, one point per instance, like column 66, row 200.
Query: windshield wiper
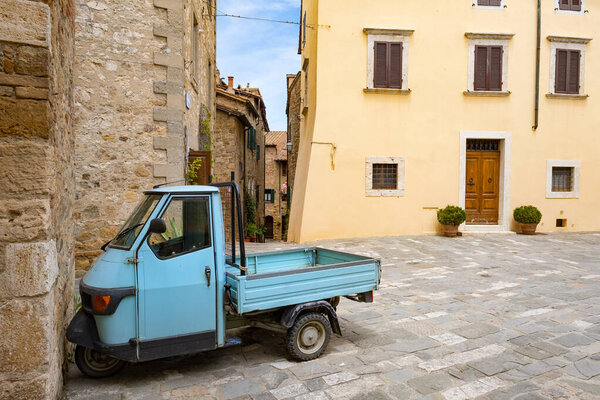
column 120, row 235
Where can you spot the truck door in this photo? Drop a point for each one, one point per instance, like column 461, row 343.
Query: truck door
column 176, row 282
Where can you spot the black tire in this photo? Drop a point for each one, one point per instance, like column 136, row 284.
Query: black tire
column 308, row 338
column 96, row 365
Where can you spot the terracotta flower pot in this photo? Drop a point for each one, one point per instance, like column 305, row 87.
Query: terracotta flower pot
column 528, row 229
column 450, row 230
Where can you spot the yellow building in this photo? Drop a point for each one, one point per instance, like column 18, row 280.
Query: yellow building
column 410, row 105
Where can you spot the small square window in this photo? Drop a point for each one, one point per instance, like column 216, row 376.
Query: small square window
column 562, row 179
column 385, row 176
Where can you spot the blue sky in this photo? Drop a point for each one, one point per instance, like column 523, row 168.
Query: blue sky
column 261, row 53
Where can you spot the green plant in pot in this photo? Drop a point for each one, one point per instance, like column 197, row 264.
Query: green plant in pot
column 529, row 217
column 450, row 218
column 261, row 230
column 251, row 231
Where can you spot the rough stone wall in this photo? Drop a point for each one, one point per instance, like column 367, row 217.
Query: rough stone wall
column 273, row 180
column 294, row 117
column 36, row 195
column 231, row 149
column 133, row 70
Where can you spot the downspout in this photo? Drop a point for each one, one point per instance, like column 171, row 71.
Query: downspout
column 537, row 65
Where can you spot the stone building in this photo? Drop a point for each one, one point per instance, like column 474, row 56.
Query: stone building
column 144, row 78
column 294, row 118
column 276, row 184
column 36, row 195
column 240, row 127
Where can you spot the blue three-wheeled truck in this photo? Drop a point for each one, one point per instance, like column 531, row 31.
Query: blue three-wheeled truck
column 171, row 283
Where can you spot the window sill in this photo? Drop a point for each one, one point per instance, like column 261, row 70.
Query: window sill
column 567, row 96
column 562, row 195
column 384, row 193
column 486, row 93
column 403, row 92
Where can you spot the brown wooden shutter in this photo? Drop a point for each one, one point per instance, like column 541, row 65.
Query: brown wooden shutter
column 564, row 5
column 495, row 3
column 495, row 78
column 380, row 73
column 560, row 76
column 481, row 56
column 573, row 72
column 483, row 2
column 576, row 5
column 395, row 71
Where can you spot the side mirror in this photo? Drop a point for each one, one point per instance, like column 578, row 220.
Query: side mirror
column 157, row 225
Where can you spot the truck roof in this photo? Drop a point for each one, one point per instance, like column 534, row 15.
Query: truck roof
column 183, row 189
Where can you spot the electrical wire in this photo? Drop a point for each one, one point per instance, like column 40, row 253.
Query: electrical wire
column 258, row 19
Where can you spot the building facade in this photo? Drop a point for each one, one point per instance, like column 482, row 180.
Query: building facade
column 144, row 78
column 36, row 195
column 450, row 108
column 294, row 118
column 241, row 123
column 276, row 185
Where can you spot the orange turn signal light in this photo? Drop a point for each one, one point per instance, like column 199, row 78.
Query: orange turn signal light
column 101, row 303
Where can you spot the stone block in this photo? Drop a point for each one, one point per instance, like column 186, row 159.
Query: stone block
column 24, row 220
column 24, row 168
column 32, row 61
column 26, row 331
column 25, row 22
column 168, row 60
column 166, row 142
column 31, row 269
column 169, row 4
column 165, row 114
column 7, row 91
column 31, row 389
column 31, row 93
column 27, row 118
column 23, row 80
column 169, row 171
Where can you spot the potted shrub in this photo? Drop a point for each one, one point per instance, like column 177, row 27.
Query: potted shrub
column 251, row 231
column 261, row 230
column 450, row 218
column 529, row 217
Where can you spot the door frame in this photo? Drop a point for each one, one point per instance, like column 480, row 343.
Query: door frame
column 505, row 139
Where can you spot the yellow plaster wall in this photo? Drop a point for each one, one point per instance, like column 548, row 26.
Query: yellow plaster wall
column 424, row 126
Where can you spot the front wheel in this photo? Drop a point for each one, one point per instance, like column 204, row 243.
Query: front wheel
column 308, row 337
column 95, row 364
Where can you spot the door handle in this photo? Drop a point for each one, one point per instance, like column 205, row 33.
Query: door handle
column 207, row 273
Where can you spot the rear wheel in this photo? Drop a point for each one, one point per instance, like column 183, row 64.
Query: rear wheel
column 308, row 337
column 95, row 364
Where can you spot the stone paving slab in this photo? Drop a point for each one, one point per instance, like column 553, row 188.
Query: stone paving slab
column 490, row 317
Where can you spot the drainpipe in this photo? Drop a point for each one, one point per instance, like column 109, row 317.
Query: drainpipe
column 537, row 65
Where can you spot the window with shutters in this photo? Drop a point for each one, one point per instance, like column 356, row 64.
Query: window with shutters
column 488, row 64
column 388, row 65
column 570, row 5
column 387, row 59
column 305, row 86
column 385, row 176
column 489, row 3
column 567, row 67
column 567, row 71
column 562, row 179
column 488, row 68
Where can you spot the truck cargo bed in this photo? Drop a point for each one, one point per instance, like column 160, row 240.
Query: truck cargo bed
column 282, row 278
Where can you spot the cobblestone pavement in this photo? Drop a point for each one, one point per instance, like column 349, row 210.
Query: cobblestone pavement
column 487, row 317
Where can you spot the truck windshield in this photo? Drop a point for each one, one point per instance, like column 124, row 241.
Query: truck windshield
column 132, row 227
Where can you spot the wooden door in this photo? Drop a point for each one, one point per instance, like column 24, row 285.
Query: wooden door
column 203, row 172
column 482, row 187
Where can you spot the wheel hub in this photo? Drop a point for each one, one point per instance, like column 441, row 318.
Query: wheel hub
column 309, row 336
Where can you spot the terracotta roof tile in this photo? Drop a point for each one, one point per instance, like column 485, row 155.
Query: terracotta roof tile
column 279, row 140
